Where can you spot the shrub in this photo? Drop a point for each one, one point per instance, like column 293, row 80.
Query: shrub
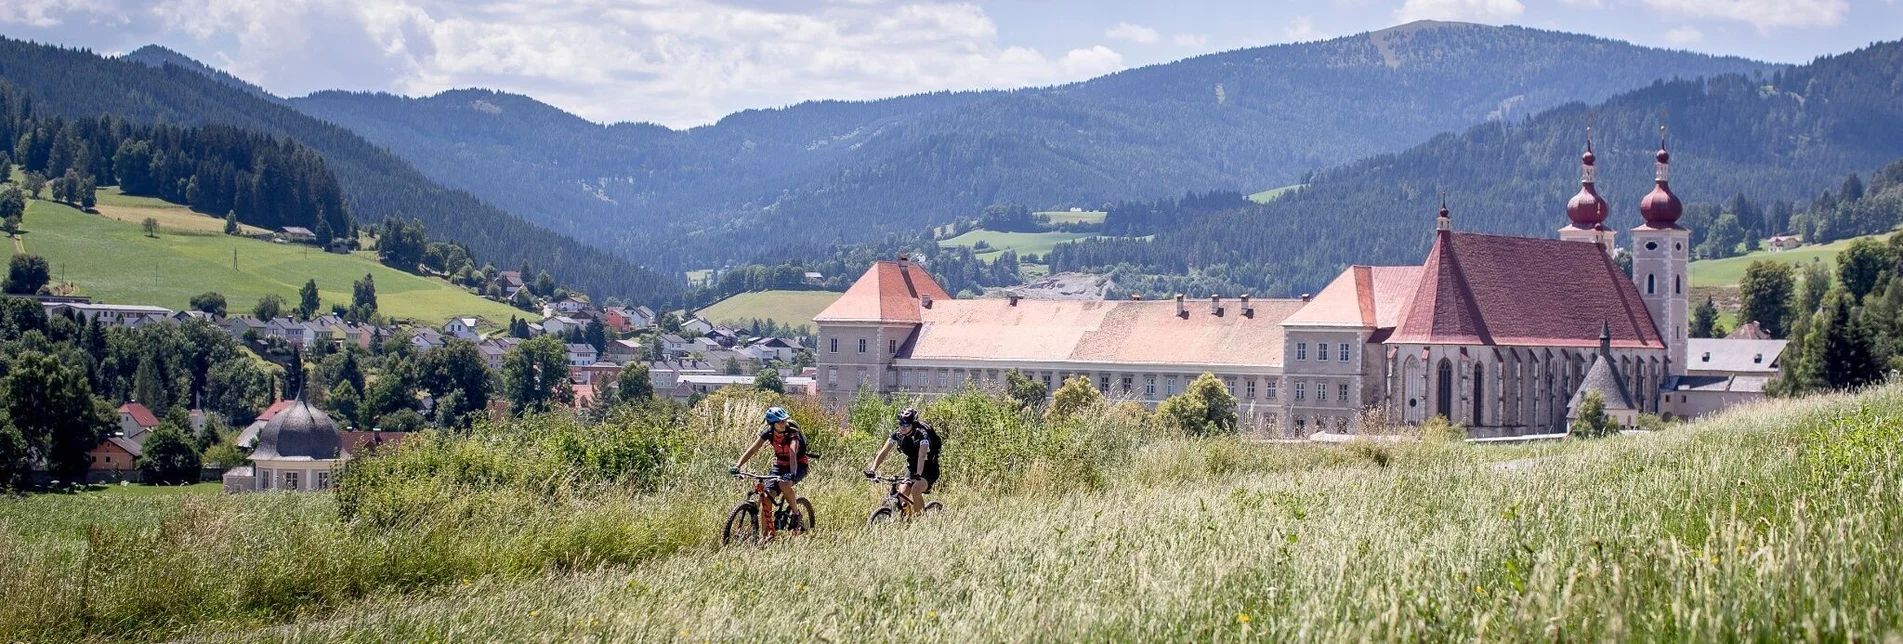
column 1438, row 430
column 1075, row 397
column 1205, row 408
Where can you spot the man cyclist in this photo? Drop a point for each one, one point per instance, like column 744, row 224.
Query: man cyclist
column 920, row 445
column 789, row 456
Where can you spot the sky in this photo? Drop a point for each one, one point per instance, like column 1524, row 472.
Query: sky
column 683, row 63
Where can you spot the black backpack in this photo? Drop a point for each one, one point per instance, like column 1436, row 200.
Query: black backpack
column 937, row 439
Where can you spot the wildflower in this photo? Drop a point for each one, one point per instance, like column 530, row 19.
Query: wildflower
column 932, row 614
column 533, row 613
column 1242, row 618
column 1479, row 591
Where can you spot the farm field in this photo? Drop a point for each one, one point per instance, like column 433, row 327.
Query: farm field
column 786, row 307
column 1773, row 522
column 113, row 261
column 1271, row 194
column 1068, row 217
column 1023, row 243
column 1726, row 272
column 114, row 204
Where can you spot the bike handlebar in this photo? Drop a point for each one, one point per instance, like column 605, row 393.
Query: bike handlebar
column 889, row 479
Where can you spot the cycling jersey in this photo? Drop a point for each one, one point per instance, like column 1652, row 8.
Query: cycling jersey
column 789, row 447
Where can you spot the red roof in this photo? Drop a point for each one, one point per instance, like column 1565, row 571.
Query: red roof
column 888, row 292
column 272, row 411
column 1498, row 290
column 139, row 414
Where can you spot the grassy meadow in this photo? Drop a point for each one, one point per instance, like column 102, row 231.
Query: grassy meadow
column 785, row 307
column 1039, row 243
column 113, row 261
column 1272, row 194
column 1726, row 272
column 1773, row 522
column 1068, row 217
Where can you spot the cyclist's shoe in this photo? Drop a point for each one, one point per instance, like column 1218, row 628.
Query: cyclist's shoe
column 871, row 474
column 735, row 471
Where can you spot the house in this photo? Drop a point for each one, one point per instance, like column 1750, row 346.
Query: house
column 676, row 346
column 598, row 374
column 493, row 349
column 624, row 351
column 561, row 324
column 183, row 316
column 644, row 317
column 697, row 325
column 249, row 436
column 568, row 306
column 114, row 459
column 704, row 345
column 581, row 355
column 666, row 374
column 324, row 330
column 627, row 319
column 813, row 278
column 125, row 315
column 426, row 339
column 135, row 421
column 299, row 448
column 463, row 327
column 239, row 326
column 1723, row 372
column 1783, row 243
column 725, row 335
column 781, row 349
column 296, row 234
column 510, row 281
column 297, row 333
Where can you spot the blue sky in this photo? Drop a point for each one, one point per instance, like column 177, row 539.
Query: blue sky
column 689, row 62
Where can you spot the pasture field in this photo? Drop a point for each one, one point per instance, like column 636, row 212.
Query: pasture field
column 113, row 261
column 1068, row 217
column 1038, row 243
column 1774, row 522
column 785, row 307
column 1272, row 193
column 1726, row 272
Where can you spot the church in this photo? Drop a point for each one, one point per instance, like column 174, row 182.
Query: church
column 1475, row 333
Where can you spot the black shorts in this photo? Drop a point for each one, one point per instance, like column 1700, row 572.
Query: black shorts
column 931, row 475
column 797, row 473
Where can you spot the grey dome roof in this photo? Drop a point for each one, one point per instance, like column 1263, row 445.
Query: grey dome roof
column 300, row 431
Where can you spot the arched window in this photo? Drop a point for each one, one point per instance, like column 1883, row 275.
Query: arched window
column 1444, row 390
column 1678, row 284
column 1480, row 375
column 1651, row 284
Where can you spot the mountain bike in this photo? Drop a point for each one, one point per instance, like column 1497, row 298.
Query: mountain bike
column 764, row 514
column 896, row 504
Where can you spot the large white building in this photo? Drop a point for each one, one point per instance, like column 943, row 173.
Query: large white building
column 1501, row 334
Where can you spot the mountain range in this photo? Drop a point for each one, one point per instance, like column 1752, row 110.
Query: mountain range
column 70, row 83
column 777, row 183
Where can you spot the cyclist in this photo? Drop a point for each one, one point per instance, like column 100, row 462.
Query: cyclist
column 920, row 445
column 789, row 455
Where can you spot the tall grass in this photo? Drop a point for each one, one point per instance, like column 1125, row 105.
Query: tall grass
column 1778, row 522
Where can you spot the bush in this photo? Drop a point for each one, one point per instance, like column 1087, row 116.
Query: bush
column 169, row 458
column 1438, row 430
column 1075, row 397
column 1205, row 408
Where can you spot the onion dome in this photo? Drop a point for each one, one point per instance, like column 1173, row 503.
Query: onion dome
column 1443, row 222
column 1587, row 210
column 299, row 431
column 1661, row 208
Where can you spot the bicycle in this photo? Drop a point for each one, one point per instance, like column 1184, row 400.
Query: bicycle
column 753, row 521
column 896, row 504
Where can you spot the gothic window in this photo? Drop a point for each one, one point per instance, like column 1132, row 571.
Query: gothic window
column 1444, row 390
column 1480, row 374
column 1678, row 284
column 1651, row 284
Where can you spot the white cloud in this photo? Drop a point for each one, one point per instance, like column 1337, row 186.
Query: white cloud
column 1191, row 40
column 1302, row 29
column 676, row 62
column 1685, row 36
column 1132, row 33
column 1585, row 4
column 1482, row 10
column 1763, row 14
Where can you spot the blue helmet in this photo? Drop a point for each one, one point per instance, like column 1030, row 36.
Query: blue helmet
column 777, row 414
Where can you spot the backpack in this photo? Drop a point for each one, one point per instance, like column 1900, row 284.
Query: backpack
column 937, row 439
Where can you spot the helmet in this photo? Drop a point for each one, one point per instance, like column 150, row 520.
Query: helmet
column 777, row 414
column 908, row 417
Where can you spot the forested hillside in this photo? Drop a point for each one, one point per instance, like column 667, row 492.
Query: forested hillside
column 1782, row 137
column 831, row 171
column 76, row 83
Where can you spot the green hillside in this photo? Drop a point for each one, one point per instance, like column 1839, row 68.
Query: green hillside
column 1068, row 217
column 1726, row 272
column 1039, row 243
column 113, row 261
column 1271, row 194
column 785, row 307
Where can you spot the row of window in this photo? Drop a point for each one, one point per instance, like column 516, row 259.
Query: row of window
column 291, row 480
column 1321, row 392
column 891, row 346
column 1321, row 351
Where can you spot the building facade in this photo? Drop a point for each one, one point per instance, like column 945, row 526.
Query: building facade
column 1501, row 334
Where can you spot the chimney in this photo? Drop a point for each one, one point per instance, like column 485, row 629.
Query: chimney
column 1013, row 297
column 1182, row 311
column 1215, row 305
column 1306, row 297
column 1247, row 310
column 904, row 257
column 1136, row 297
column 925, row 300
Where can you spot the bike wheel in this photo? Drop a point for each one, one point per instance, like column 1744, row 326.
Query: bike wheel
column 808, row 520
column 934, row 507
column 883, row 514
column 743, row 525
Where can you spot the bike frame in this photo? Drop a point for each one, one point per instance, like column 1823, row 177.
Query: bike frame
column 767, row 499
column 899, row 501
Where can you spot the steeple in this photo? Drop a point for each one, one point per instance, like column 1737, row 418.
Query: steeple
column 1586, row 212
column 1443, row 223
column 1661, row 208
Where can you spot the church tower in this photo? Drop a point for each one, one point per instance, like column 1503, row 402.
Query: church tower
column 1660, row 251
column 1587, row 211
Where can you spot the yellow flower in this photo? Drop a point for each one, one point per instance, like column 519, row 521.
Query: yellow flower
column 533, row 613
column 932, row 614
column 1242, row 618
column 1479, row 591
